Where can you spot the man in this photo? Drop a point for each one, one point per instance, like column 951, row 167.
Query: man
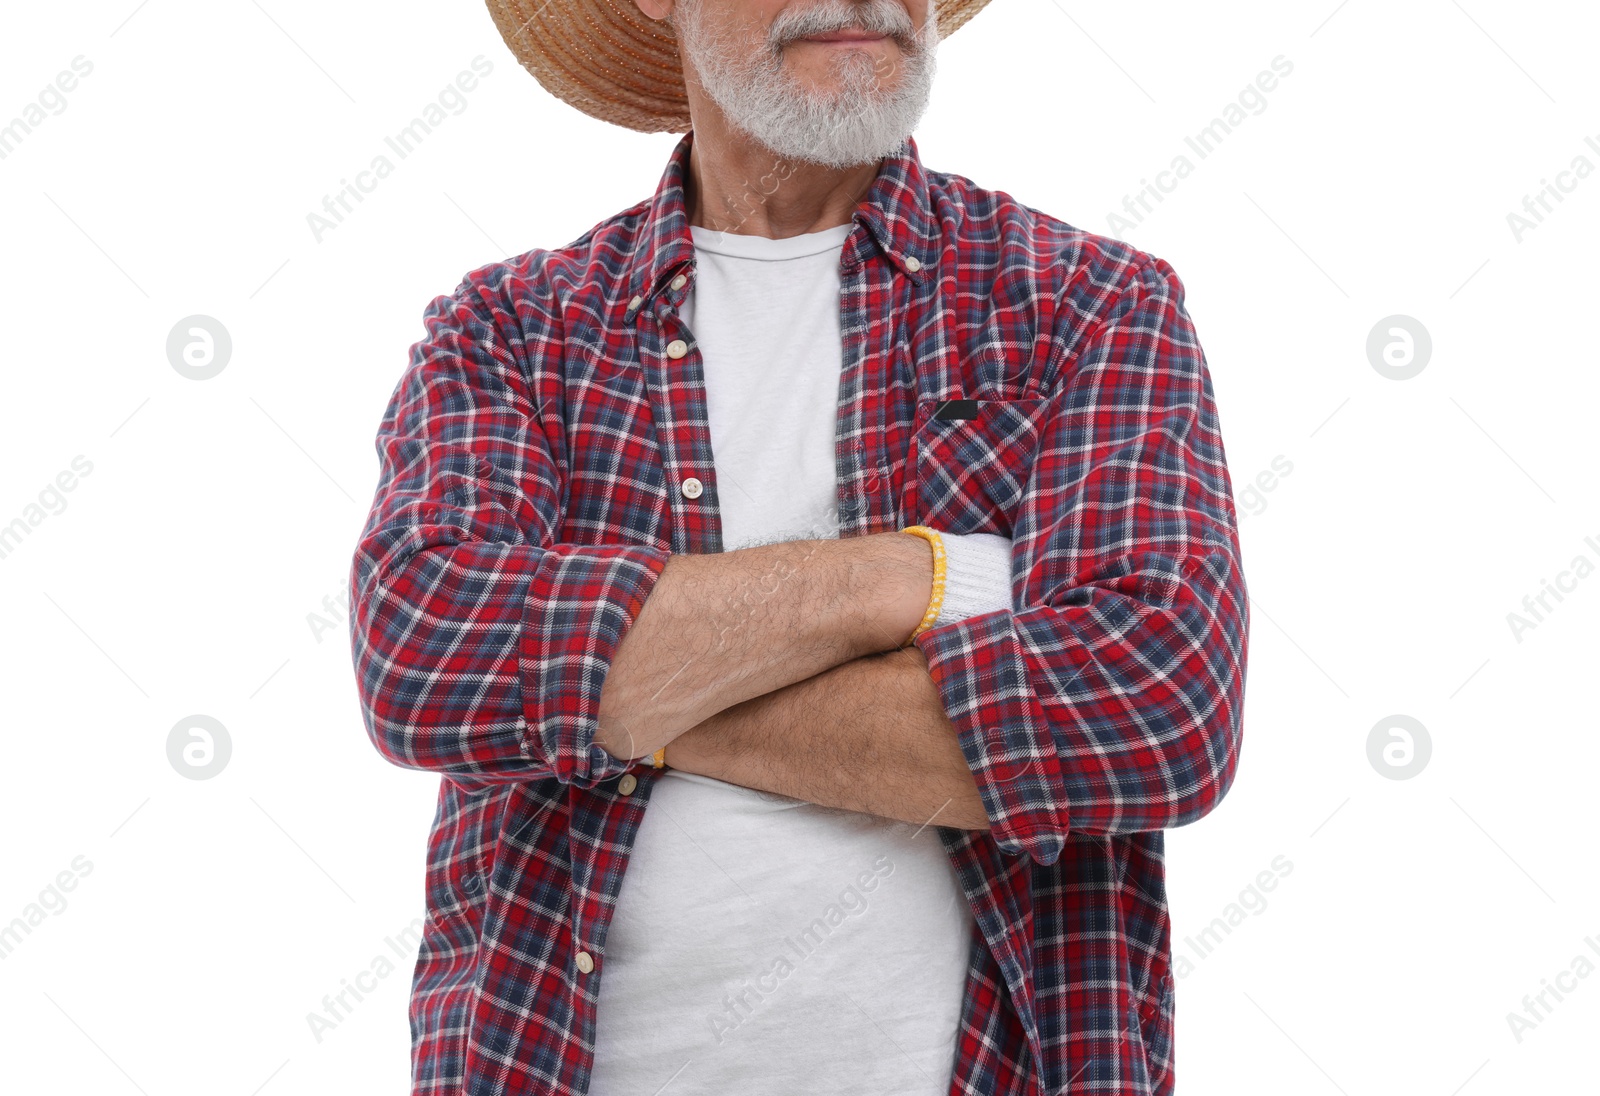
column 637, row 584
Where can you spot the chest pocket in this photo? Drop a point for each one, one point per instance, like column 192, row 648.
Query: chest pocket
column 970, row 467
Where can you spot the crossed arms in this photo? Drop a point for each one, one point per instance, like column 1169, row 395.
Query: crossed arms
column 777, row 668
column 491, row 646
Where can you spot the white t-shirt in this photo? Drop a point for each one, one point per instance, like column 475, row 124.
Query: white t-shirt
column 761, row 943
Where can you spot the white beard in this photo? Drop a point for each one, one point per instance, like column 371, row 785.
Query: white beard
column 862, row 124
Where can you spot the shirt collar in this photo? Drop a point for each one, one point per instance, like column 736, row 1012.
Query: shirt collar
column 897, row 212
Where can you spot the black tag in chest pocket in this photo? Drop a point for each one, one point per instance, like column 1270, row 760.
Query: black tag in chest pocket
column 956, row 409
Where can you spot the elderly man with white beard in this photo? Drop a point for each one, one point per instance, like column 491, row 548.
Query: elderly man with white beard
column 743, row 787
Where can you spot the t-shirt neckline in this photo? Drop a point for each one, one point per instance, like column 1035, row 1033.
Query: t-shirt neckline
column 744, row 246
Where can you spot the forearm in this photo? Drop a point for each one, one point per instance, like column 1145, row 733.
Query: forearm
column 870, row 735
column 720, row 629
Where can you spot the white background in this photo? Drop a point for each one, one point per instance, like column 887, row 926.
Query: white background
column 218, row 515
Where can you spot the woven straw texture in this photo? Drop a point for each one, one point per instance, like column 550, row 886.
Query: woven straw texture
column 609, row 60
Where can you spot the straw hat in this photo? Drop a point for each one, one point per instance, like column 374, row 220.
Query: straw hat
column 609, row 60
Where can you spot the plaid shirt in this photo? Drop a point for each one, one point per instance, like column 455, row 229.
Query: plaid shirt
column 535, row 466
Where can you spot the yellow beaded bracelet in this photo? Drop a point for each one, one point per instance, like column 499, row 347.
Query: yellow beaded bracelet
column 936, row 601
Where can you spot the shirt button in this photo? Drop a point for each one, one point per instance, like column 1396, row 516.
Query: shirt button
column 692, row 488
column 585, row 962
column 636, row 302
column 680, row 281
column 913, row 264
column 677, row 348
column 627, row 784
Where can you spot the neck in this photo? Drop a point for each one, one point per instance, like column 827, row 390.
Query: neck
column 737, row 185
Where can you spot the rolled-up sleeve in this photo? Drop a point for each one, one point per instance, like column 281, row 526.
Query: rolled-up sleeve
column 1107, row 699
column 480, row 643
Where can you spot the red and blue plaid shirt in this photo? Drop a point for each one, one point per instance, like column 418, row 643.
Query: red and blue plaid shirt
column 532, row 459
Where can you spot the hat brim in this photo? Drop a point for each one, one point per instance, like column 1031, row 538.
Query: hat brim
column 611, row 61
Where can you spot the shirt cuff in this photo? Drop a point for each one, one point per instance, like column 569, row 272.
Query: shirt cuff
column 581, row 602
column 982, row 670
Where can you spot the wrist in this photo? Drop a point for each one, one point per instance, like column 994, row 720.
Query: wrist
column 892, row 584
column 939, row 564
column 696, row 749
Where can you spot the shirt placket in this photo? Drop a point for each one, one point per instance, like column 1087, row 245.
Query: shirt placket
column 674, row 381
column 674, row 374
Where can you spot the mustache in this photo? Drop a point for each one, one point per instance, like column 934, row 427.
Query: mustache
column 884, row 17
